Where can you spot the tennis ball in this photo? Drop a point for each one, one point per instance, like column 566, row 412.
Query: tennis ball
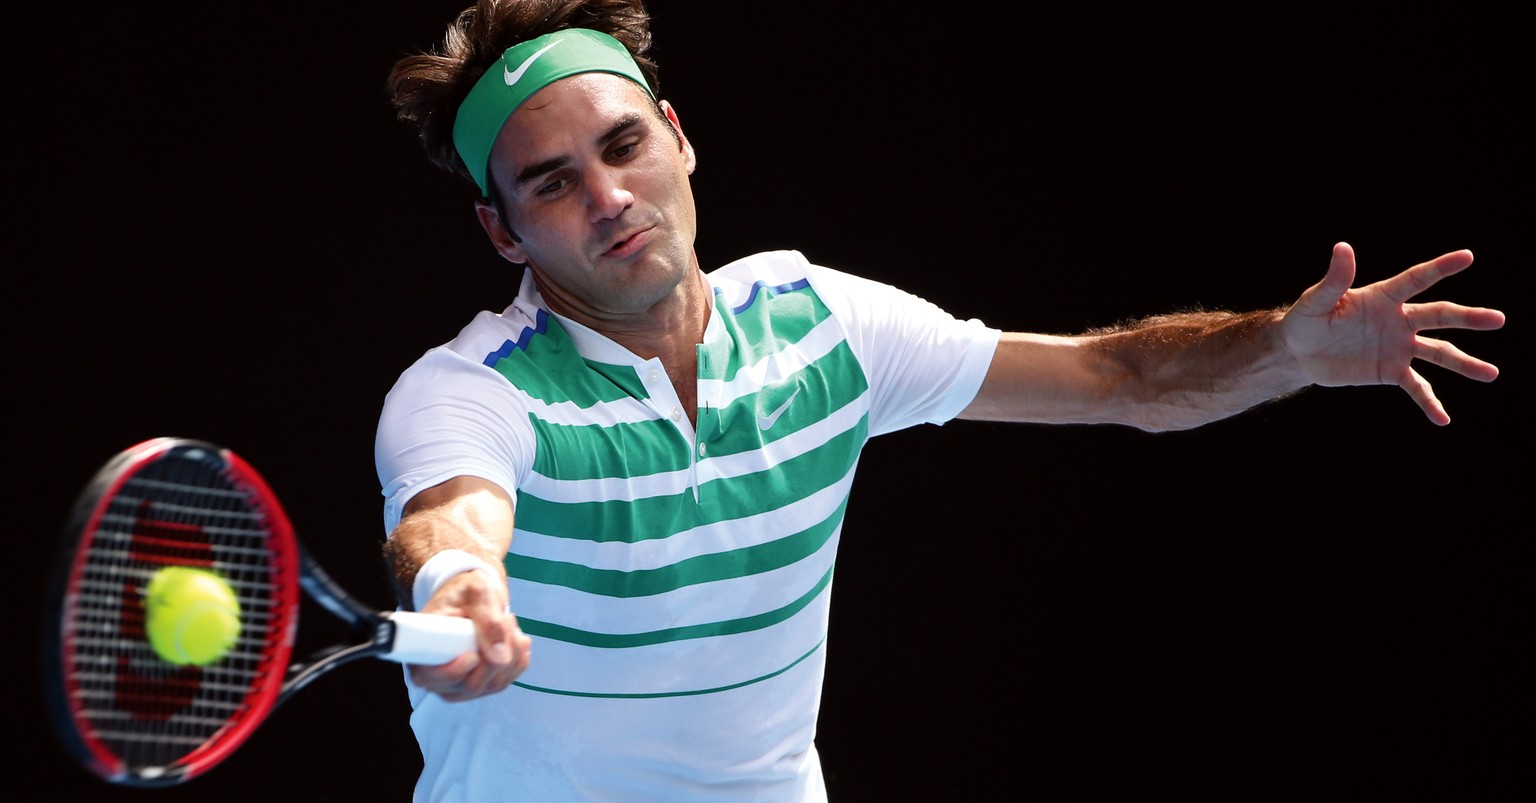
column 191, row 615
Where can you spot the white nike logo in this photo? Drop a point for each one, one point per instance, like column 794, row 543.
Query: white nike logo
column 766, row 421
column 513, row 76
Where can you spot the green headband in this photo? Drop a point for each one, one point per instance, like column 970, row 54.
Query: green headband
column 525, row 69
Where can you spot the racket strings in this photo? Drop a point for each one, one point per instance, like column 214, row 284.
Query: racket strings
column 185, row 508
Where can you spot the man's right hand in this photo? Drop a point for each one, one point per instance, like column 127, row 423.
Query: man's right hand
column 504, row 649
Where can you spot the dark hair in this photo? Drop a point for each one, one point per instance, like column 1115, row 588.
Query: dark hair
column 427, row 88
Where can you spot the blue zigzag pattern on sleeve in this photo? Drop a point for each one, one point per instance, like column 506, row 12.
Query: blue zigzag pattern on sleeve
column 523, row 339
column 758, row 287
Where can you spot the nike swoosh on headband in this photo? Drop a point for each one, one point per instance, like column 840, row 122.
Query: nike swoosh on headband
column 767, row 421
column 513, row 76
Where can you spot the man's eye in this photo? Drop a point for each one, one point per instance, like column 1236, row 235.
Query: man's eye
column 622, row 151
column 551, row 187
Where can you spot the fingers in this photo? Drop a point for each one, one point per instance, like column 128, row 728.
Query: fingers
column 450, row 680
column 1323, row 298
column 504, row 652
column 1370, row 334
column 1448, row 356
column 1447, row 315
column 1424, row 396
column 1424, row 275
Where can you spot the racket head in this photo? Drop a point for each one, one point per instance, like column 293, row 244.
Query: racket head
column 123, row 712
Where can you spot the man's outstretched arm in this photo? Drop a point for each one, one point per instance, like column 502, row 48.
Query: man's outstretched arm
column 1184, row 370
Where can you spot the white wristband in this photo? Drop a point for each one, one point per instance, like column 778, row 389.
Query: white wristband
column 443, row 565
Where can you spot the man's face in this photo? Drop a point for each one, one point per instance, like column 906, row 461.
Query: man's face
column 596, row 187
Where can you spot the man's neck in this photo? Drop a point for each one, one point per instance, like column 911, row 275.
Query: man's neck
column 670, row 332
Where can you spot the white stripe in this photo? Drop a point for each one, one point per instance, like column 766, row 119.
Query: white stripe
column 619, row 411
column 711, row 663
column 802, row 441
column 776, row 367
column 666, row 483
column 703, row 603
column 669, row 483
column 707, row 539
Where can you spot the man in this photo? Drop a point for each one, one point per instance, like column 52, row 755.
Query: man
column 643, row 462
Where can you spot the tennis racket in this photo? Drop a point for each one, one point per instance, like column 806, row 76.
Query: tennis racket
column 130, row 716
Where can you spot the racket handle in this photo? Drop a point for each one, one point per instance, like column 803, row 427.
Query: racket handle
column 427, row 638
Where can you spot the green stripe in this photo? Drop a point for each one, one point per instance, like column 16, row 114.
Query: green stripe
column 594, row 451
column 624, row 378
column 757, row 334
column 832, row 381
column 729, row 627
column 742, row 562
column 550, row 370
column 650, row 695
column 719, row 500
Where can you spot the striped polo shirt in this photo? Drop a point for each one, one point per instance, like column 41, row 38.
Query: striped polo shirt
column 652, row 560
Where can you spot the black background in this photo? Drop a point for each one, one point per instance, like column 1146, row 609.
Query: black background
column 225, row 234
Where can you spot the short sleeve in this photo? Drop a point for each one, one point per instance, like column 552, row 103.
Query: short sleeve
column 448, row 416
column 924, row 365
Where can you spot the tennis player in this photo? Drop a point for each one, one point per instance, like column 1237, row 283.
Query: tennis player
column 633, row 477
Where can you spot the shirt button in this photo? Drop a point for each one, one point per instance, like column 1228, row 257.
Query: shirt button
column 653, row 377
column 702, row 449
column 677, row 413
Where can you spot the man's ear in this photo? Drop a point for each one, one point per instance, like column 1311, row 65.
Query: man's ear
column 490, row 220
column 690, row 159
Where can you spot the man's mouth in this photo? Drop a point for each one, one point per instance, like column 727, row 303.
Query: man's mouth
column 629, row 245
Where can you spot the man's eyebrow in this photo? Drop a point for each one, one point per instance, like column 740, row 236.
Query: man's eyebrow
column 618, row 128
column 535, row 170
column 614, row 131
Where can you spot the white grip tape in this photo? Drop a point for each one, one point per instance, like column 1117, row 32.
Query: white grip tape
column 429, row 638
column 442, row 566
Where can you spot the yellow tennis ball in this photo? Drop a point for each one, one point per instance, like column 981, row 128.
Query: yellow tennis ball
column 191, row 615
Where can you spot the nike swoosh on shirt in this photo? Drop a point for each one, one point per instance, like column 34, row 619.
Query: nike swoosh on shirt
column 766, row 421
column 513, row 76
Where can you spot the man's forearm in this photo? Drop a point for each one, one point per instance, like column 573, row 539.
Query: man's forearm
column 1183, row 370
